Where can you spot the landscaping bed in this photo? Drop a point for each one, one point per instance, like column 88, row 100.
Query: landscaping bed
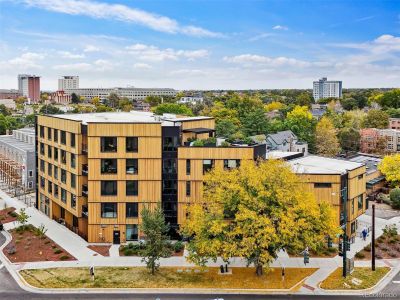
column 139, row 277
column 131, row 249
column 386, row 246
column 27, row 246
column 361, row 278
column 8, row 215
column 100, row 249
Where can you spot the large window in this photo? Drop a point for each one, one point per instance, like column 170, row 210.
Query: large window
column 63, row 176
column 109, row 188
column 73, row 180
column 207, row 165
column 73, row 201
column 322, row 185
column 63, row 156
column 72, row 140
column 73, row 161
column 132, row 166
column 231, row 164
column 63, row 137
column 42, row 163
column 170, row 143
column 49, row 169
column 56, row 154
column 55, row 172
column 55, row 188
column 132, row 188
column 63, row 195
column 42, row 182
column 109, row 210
column 360, row 202
column 49, row 187
column 49, row 133
column 188, row 188
column 42, row 148
column 131, row 232
column 49, row 152
column 55, row 135
column 169, row 166
column 188, row 167
column 132, row 210
column 132, row 144
column 109, row 166
column 41, row 130
column 108, row 144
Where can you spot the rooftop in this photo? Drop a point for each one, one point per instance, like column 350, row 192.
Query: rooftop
column 128, row 117
column 370, row 161
column 322, row 165
column 12, row 142
column 283, row 155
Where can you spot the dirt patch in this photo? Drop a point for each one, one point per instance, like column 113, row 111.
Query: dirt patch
column 102, row 250
column 8, row 215
column 26, row 246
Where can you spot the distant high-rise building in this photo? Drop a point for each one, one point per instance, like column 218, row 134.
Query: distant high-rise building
column 327, row 89
column 68, row 82
column 29, row 86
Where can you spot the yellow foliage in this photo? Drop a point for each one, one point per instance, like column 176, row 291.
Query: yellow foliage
column 390, row 167
column 326, row 140
column 300, row 112
column 274, row 105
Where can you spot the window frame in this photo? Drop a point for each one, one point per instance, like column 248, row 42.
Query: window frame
column 133, row 150
column 134, row 213
column 114, row 212
column 103, row 144
column 135, row 192
column 114, row 188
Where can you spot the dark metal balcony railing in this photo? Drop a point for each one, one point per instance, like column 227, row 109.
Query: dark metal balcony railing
column 85, row 213
column 85, row 170
column 85, row 190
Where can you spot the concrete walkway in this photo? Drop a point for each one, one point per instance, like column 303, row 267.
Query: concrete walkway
column 114, row 251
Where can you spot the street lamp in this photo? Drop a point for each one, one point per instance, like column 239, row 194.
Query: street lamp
column 344, row 243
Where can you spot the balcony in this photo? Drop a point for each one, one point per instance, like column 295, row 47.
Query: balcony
column 85, row 213
column 85, row 170
column 85, row 190
column 84, row 149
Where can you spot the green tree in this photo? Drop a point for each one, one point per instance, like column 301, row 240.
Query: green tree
column 254, row 123
column 349, row 139
column 376, row 119
column 3, row 125
column 103, row 108
column 253, row 212
column 30, row 120
column 75, row 98
column 225, row 128
column 153, row 100
column 155, row 231
column 395, row 198
column 390, row 99
column 113, row 100
column 304, row 99
column 173, row 108
column 22, row 217
column 125, row 104
column 349, row 103
column 4, row 110
column 49, row 109
column 393, row 112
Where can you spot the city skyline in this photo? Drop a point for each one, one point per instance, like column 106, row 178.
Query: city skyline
column 203, row 45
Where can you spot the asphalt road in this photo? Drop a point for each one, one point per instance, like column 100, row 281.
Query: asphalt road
column 9, row 290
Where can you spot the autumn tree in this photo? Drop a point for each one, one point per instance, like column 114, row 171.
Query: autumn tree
column 113, row 100
column 173, row 108
column 253, row 212
column 349, row 139
column 326, row 141
column 376, row 118
column 274, row 105
column 390, row 167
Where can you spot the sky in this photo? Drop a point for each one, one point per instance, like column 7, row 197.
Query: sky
column 201, row 44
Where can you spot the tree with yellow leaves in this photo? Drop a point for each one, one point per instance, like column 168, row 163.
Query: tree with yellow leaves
column 253, row 212
column 274, row 105
column 390, row 167
column 326, row 141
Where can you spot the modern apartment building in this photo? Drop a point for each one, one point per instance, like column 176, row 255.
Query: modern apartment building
column 327, row 89
column 337, row 182
column 68, row 82
column 370, row 139
column 29, row 87
column 130, row 93
column 97, row 171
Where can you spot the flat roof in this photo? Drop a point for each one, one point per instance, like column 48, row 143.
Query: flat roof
column 127, row 117
column 12, row 142
column 313, row 164
column 280, row 154
column 371, row 162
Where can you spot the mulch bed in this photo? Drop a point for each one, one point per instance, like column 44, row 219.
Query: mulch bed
column 30, row 248
column 102, row 250
column 385, row 247
column 6, row 215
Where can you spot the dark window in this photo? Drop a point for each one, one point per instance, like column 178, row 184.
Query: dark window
column 108, row 144
column 41, row 129
column 42, row 165
column 353, row 227
column 63, row 137
column 55, row 187
column 109, row 166
column 170, row 143
column 49, row 187
column 55, row 172
column 55, row 135
column 131, row 232
column 352, row 207
column 49, row 133
column 188, row 167
column 132, row 166
column 63, row 176
column 42, row 182
column 109, row 210
column 72, row 140
column 63, row 156
column 188, row 189
column 49, row 152
column 109, row 188
column 132, row 144
column 360, row 202
column 49, row 169
column 42, row 148
column 230, row 164
column 361, row 176
column 169, row 166
column 63, row 195
column 207, row 165
column 56, row 154
column 73, row 160
column 169, row 187
column 73, row 201
column 73, row 180
column 132, row 188
column 132, row 210
column 322, row 185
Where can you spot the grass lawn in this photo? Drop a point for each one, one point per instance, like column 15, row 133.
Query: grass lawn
column 369, row 278
column 139, row 277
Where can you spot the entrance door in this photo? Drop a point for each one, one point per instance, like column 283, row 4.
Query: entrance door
column 116, row 237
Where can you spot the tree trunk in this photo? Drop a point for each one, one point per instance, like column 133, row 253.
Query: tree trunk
column 259, row 270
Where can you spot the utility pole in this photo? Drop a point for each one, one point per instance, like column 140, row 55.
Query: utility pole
column 344, row 244
column 373, row 238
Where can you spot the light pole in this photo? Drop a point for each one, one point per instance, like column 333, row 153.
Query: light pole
column 344, row 244
column 373, row 238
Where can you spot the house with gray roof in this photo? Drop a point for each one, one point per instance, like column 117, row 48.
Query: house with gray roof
column 286, row 141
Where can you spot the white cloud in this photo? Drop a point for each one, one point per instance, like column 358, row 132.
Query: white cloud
column 67, row 54
column 155, row 54
column 280, row 27
column 189, row 72
column 261, row 36
column 120, row 12
column 91, row 48
column 103, row 65
column 73, row 67
column 250, row 59
column 142, row 66
column 27, row 60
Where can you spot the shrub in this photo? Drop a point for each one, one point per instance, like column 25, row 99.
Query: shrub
column 379, row 255
column 390, row 231
column 332, row 249
column 360, row 255
column 198, row 143
column 57, row 251
column 178, row 246
column 64, row 257
column 380, row 239
column 11, row 250
column 384, row 248
column 395, row 198
column 12, row 214
column 128, row 252
column 393, row 253
column 393, row 241
column 367, row 248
